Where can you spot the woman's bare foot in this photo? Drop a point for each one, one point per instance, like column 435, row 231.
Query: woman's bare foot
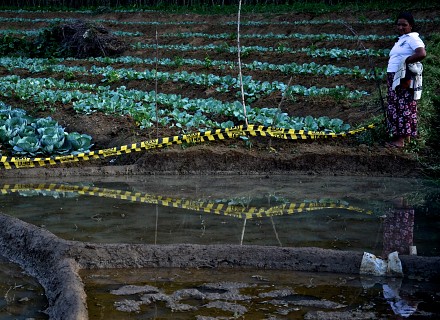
column 396, row 143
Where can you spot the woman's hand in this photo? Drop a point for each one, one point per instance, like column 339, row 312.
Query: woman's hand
column 405, row 83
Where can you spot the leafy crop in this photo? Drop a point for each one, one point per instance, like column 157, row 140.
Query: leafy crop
column 27, row 136
column 321, row 36
column 177, row 111
column 336, row 53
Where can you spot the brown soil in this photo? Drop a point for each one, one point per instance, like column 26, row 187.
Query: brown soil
column 354, row 155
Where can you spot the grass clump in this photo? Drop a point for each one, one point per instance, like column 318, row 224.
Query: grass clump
column 79, row 39
column 428, row 144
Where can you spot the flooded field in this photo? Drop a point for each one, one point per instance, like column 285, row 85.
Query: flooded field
column 361, row 214
column 335, row 212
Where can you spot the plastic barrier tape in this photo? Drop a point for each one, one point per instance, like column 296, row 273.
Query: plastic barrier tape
column 237, row 211
column 197, row 137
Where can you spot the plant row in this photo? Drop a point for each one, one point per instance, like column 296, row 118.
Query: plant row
column 150, row 108
column 233, row 35
column 243, row 22
column 37, row 32
column 253, row 89
column 42, row 64
column 271, row 35
column 336, row 53
column 8, row 42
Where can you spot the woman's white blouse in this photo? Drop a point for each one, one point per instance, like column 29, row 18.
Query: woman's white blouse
column 404, row 47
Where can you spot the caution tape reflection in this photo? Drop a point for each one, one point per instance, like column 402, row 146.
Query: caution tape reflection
column 212, row 207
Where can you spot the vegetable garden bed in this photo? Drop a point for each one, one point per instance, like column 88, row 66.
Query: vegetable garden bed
column 180, row 75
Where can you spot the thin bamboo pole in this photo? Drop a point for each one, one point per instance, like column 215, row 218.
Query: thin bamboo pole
column 242, row 231
column 157, row 219
column 156, row 86
column 275, row 231
column 240, row 74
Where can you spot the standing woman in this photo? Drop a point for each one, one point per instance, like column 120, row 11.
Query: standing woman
column 404, row 82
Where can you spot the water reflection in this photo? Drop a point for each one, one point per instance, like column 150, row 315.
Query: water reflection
column 256, row 294
column 400, row 305
column 398, row 233
column 365, row 214
column 245, row 208
column 21, row 296
column 402, row 301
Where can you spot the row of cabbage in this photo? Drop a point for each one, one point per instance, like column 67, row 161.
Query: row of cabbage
column 226, row 36
column 243, row 22
column 253, row 89
column 335, row 53
column 174, row 110
column 26, row 135
column 56, row 64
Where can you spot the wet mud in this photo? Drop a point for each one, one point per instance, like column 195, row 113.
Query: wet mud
column 56, row 263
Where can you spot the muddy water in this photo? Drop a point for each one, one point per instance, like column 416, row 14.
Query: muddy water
column 255, row 294
column 329, row 212
column 21, row 297
column 376, row 215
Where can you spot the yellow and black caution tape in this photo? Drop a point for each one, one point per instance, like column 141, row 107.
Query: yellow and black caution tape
column 197, row 137
column 237, row 211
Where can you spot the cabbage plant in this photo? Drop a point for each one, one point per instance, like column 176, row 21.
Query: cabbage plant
column 27, row 136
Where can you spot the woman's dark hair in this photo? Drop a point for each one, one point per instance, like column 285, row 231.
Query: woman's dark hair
column 408, row 17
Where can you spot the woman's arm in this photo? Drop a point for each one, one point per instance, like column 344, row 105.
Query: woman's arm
column 418, row 55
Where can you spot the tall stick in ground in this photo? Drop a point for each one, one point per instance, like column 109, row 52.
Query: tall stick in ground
column 283, row 95
column 240, row 75
column 155, row 86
